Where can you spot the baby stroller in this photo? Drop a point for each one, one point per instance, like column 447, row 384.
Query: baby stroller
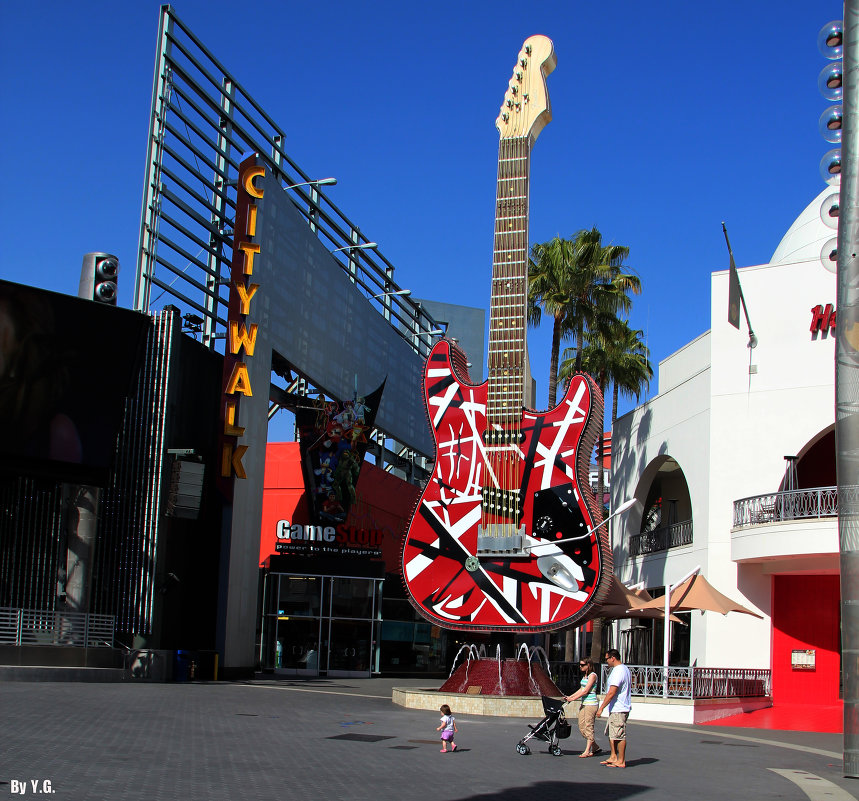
column 552, row 728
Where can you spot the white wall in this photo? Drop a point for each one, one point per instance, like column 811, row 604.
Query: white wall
column 729, row 429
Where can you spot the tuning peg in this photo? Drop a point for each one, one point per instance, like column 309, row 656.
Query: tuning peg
column 527, row 97
column 518, row 75
column 514, row 89
column 524, row 62
column 509, row 104
column 505, row 116
column 528, row 49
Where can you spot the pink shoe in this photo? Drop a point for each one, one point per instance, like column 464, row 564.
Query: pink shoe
column 443, row 750
column 453, row 747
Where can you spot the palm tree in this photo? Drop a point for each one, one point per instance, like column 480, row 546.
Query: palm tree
column 578, row 282
column 614, row 353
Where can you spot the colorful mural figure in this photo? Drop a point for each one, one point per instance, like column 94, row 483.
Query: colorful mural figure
column 334, row 438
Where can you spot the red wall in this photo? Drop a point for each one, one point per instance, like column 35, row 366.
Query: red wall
column 383, row 501
column 806, row 614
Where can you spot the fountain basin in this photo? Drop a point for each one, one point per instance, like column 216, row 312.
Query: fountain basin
column 517, row 706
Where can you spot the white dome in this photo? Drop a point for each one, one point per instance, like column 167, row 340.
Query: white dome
column 806, row 237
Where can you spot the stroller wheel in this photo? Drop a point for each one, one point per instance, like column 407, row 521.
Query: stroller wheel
column 556, row 750
column 523, row 749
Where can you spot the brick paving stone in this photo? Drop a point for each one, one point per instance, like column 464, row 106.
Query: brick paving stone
column 283, row 740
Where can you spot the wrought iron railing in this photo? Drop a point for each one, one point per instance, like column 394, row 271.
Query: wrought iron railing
column 661, row 539
column 47, row 627
column 777, row 507
column 696, row 682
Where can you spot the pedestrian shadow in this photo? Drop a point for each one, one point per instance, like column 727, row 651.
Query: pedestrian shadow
column 637, row 763
column 540, row 791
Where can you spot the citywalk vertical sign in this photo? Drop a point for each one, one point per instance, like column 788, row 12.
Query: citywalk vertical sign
column 241, row 335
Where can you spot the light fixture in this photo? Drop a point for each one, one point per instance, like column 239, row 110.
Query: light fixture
column 356, row 246
column 318, row 182
column 830, row 124
column 436, row 332
column 830, row 167
column 192, row 322
column 829, row 210
column 830, row 40
column 829, row 254
column 403, row 293
column 831, row 81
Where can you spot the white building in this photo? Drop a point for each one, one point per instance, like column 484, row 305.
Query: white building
column 706, row 460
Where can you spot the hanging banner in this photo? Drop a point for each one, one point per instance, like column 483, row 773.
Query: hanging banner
column 333, row 437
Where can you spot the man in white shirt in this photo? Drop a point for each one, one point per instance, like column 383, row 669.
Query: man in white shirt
column 619, row 702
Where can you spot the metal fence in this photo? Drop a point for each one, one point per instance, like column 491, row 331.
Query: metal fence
column 777, row 507
column 661, row 539
column 46, row 627
column 655, row 681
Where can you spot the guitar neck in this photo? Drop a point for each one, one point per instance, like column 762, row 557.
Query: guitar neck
column 507, row 316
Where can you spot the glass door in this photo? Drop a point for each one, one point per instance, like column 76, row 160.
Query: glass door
column 299, row 621
column 324, row 625
column 355, row 605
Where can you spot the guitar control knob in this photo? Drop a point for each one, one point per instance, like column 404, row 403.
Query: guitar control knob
column 544, row 526
column 472, row 564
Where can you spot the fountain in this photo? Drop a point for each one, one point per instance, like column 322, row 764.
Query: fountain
column 501, row 677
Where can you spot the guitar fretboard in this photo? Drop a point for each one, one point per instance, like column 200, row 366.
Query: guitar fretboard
column 507, row 316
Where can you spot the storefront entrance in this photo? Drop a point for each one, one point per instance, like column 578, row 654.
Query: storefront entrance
column 322, row 625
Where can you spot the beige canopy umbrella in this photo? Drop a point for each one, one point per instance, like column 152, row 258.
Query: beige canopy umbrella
column 622, row 602
column 694, row 593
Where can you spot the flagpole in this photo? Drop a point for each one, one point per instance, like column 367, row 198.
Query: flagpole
column 753, row 340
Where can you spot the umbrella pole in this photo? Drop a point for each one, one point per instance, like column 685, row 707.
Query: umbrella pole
column 666, row 632
column 666, row 628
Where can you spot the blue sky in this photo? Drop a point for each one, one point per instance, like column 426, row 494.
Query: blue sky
column 667, row 119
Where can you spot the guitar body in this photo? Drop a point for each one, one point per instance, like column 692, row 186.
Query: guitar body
column 541, row 460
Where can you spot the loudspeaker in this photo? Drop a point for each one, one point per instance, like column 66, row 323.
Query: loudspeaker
column 186, row 489
column 99, row 273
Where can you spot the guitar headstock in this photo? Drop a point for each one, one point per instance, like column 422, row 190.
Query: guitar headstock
column 526, row 108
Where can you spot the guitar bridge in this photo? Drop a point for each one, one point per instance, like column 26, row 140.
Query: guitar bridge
column 496, row 541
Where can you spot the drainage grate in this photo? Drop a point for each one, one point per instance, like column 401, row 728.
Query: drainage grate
column 361, row 738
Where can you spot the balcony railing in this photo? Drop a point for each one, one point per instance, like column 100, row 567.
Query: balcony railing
column 661, row 539
column 777, row 507
column 651, row 681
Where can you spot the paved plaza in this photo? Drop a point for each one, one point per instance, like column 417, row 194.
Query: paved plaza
column 345, row 739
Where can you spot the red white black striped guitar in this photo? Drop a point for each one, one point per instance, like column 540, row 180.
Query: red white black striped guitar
column 483, row 551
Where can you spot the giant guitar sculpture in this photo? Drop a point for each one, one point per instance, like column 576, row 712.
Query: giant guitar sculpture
column 506, row 534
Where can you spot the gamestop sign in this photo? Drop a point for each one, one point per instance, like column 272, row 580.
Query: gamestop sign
column 341, row 539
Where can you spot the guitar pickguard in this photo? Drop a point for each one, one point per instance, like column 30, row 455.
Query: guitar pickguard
column 546, row 460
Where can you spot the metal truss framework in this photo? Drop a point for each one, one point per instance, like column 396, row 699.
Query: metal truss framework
column 202, row 123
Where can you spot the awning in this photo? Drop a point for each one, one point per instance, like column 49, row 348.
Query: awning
column 696, row 593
